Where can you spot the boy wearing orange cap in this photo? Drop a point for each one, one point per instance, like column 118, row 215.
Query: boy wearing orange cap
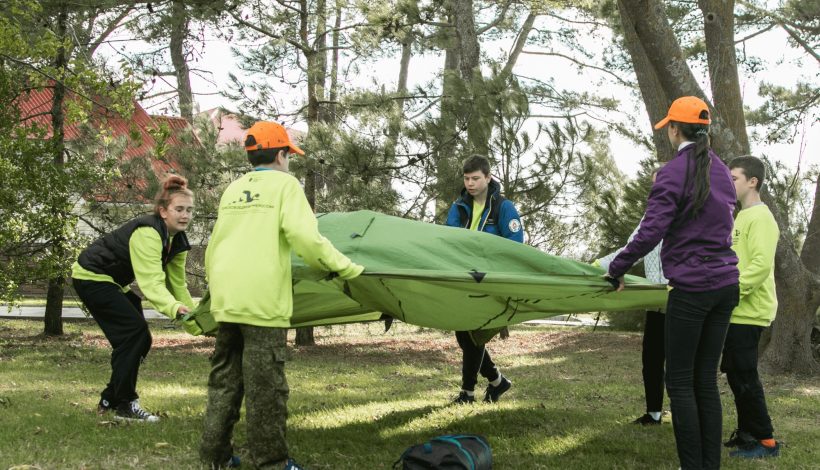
column 262, row 216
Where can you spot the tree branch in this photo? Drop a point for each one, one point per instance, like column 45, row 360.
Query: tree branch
column 520, row 41
column 114, row 24
column 783, row 23
column 495, row 22
column 270, row 34
column 756, row 33
column 574, row 60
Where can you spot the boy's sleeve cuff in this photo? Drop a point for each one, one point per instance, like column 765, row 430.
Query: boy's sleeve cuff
column 353, row 271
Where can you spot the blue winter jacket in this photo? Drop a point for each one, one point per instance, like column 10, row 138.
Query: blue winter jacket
column 499, row 218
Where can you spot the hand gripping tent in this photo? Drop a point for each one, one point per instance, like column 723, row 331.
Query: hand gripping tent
column 452, row 279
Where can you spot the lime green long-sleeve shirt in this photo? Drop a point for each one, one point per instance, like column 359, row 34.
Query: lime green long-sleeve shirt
column 754, row 239
column 167, row 289
column 262, row 216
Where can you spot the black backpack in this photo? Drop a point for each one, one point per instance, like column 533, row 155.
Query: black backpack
column 455, row 452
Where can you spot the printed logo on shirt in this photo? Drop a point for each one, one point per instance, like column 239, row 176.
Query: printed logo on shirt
column 514, row 225
column 248, row 197
column 247, row 200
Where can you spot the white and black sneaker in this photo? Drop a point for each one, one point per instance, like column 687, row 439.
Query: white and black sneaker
column 132, row 411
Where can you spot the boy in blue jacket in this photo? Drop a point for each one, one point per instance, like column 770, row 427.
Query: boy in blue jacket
column 481, row 207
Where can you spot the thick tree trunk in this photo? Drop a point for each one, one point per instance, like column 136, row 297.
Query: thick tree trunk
column 798, row 296
column 719, row 30
column 179, row 32
column 54, row 297
column 811, row 246
column 479, row 117
column 663, row 49
column 654, row 99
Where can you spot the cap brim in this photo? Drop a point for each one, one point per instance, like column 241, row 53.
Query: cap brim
column 662, row 123
column 296, row 150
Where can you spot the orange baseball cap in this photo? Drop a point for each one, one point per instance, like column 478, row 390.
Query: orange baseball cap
column 686, row 109
column 269, row 135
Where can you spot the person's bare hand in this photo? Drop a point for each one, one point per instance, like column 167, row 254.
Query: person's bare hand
column 181, row 311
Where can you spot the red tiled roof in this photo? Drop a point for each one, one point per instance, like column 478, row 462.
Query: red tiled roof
column 35, row 105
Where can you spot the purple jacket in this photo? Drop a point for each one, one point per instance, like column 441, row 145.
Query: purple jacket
column 697, row 253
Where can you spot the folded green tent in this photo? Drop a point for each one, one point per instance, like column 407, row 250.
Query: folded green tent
column 451, row 279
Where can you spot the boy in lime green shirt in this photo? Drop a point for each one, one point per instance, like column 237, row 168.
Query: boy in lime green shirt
column 754, row 239
column 263, row 217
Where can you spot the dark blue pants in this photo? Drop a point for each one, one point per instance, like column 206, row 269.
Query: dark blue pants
column 474, row 360
column 740, row 365
column 121, row 319
column 696, row 324
column 652, row 359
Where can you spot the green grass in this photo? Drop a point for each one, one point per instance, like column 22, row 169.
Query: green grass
column 360, row 397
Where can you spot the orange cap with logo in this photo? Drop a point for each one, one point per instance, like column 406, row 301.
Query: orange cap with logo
column 269, row 135
column 686, row 109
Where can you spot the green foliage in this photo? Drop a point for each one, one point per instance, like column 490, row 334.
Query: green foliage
column 353, row 169
column 622, row 208
column 785, row 110
column 44, row 177
column 793, row 191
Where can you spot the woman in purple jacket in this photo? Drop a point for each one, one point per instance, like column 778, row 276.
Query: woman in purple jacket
column 690, row 208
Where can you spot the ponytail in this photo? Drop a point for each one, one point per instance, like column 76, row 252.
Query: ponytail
column 169, row 187
column 701, row 179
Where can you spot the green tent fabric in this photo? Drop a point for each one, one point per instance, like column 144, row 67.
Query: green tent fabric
column 451, row 279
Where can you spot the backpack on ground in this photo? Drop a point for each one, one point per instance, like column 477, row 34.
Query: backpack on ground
column 453, row 452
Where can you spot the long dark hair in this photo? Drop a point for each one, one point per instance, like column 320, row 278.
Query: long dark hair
column 701, row 179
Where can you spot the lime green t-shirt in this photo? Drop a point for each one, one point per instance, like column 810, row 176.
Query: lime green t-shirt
column 478, row 210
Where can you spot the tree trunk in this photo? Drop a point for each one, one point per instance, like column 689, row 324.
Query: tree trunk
column 446, row 165
column 321, row 58
column 719, row 29
column 654, row 98
column 179, row 32
column 666, row 56
column 798, row 296
column 811, row 245
column 396, row 118
column 54, row 297
column 479, row 117
column 334, row 64
column 798, row 290
column 304, row 336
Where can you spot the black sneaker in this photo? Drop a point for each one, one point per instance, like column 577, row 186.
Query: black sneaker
column 463, row 398
column 104, row 406
column 132, row 411
column 740, row 439
column 647, row 419
column 493, row 393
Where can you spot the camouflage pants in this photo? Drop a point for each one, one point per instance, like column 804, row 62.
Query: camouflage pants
column 248, row 361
